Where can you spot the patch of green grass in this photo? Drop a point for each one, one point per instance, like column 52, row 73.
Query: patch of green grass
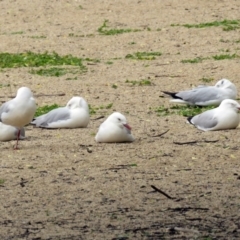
column 104, row 29
column 143, row 82
column 76, row 35
column 31, row 59
column 73, row 78
column 109, row 62
column 143, row 55
column 182, row 110
column 4, row 85
column 195, row 60
column 93, row 60
column 2, row 181
column 114, row 86
column 131, row 43
column 207, row 80
column 93, row 110
column 49, row 72
column 227, row 25
column 216, row 57
column 38, row 37
column 225, row 56
column 45, row 109
column 133, row 165
column 20, row 32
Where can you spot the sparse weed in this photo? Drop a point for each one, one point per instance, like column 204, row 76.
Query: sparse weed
column 207, row 80
column 143, row 82
column 225, row 56
column 38, row 37
column 143, row 55
column 20, row 32
column 2, row 181
column 195, row 60
column 182, row 110
column 45, row 109
column 227, row 25
column 31, row 59
column 215, row 57
column 4, row 85
column 109, row 62
column 104, row 30
column 93, row 110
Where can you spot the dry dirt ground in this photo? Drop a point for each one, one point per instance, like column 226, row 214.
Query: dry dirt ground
column 61, row 184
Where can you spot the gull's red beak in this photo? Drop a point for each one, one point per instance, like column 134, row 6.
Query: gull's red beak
column 127, row 126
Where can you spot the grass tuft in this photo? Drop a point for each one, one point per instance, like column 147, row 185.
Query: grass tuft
column 206, row 80
column 227, row 25
column 143, row 55
column 45, row 109
column 143, row 82
column 104, row 30
column 31, row 59
column 93, row 110
column 182, row 110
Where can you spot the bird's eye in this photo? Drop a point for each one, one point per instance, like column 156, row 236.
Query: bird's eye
column 119, row 119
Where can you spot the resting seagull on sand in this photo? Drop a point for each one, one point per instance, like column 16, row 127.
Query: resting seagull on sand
column 206, row 95
column 223, row 117
column 114, row 129
column 74, row 115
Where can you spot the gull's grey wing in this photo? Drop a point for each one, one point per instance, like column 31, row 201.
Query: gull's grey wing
column 55, row 115
column 204, row 120
column 4, row 109
column 199, row 95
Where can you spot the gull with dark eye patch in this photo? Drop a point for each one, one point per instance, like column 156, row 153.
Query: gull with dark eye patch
column 206, row 95
column 114, row 129
column 223, row 117
column 74, row 115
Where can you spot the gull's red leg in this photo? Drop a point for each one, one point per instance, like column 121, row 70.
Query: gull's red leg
column 18, row 135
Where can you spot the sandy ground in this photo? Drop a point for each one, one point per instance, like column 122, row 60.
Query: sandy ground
column 61, row 184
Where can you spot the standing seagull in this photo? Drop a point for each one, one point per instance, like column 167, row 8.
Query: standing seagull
column 206, row 95
column 8, row 133
column 19, row 111
column 114, row 129
column 74, row 115
column 223, row 117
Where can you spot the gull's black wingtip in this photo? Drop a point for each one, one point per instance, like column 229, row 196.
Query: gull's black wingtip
column 189, row 119
column 172, row 94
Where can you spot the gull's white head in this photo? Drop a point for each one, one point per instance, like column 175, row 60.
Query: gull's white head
column 77, row 102
column 119, row 119
column 225, row 83
column 24, row 92
column 229, row 103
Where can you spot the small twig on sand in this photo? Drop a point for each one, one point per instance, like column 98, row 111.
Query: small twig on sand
column 194, row 142
column 160, row 191
column 183, row 143
column 161, row 134
column 98, row 118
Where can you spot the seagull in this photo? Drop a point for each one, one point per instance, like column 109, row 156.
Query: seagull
column 19, row 111
column 74, row 115
column 114, row 129
column 8, row 133
column 206, row 95
column 223, row 117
